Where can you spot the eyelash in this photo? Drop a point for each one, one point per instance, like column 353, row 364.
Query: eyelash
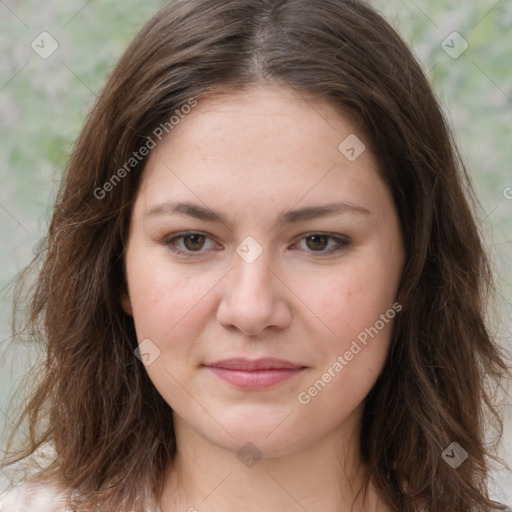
column 170, row 242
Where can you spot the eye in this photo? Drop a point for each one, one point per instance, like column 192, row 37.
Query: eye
column 186, row 243
column 319, row 242
column 193, row 242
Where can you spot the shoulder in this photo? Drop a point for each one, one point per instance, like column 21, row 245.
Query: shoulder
column 34, row 497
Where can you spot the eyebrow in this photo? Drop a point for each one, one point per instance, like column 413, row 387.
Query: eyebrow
column 291, row 216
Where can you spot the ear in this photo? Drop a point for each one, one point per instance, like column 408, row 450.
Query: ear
column 126, row 304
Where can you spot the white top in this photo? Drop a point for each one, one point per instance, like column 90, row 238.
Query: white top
column 29, row 497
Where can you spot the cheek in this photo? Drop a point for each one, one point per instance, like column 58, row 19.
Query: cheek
column 164, row 300
column 352, row 299
column 168, row 311
column 356, row 312
column 355, row 305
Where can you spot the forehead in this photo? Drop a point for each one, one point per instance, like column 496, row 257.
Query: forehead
column 264, row 142
column 265, row 111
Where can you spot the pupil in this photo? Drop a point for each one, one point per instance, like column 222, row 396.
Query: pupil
column 194, row 245
column 323, row 241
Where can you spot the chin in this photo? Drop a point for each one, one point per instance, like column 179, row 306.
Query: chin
column 248, row 443
column 270, row 434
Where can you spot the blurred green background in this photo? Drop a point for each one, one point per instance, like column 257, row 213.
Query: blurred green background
column 44, row 101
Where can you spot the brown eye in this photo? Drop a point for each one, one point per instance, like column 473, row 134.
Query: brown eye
column 323, row 244
column 191, row 243
column 194, row 242
column 318, row 242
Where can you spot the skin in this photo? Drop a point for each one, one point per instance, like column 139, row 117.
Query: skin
column 250, row 156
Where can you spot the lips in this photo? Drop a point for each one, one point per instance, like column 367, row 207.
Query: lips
column 241, row 364
column 255, row 373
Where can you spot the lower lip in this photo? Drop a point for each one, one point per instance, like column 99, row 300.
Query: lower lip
column 257, row 379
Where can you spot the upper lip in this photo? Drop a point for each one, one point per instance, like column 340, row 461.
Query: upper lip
column 243, row 364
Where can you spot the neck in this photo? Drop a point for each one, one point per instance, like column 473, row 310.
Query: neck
column 326, row 475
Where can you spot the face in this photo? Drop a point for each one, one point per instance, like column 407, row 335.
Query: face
column 263, row 262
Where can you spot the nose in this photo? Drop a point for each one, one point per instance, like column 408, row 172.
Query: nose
column 254, row 298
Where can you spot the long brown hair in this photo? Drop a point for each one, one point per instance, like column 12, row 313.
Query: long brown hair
column 95, row 402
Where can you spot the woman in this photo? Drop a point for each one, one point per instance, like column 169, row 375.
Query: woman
column 263, row 287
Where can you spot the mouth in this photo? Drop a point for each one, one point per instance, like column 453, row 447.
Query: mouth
column 255, row 373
